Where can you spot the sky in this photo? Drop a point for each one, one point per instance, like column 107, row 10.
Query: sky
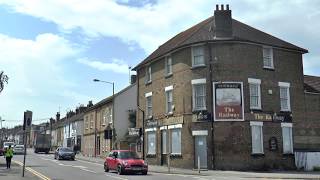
column 53, row 49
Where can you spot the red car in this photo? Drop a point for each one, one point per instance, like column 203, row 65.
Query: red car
column 125, row 161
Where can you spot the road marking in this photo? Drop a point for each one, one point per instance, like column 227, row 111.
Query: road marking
column 90, row 162
column 89, row 170
column 43, row 177
column 116, row 177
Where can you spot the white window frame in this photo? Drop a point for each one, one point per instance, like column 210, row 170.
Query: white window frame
column 197, row 82
column 287, row 86
column 255, row 82
column 264, row 55
column 283, row 126
column 258, row 125
column 169, row 89
column 148, row 74
column 193, row 55
column 148, row 113
column 151, row 131
column 173, row 143
column 168, row 65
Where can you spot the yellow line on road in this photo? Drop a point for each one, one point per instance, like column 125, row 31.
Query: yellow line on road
column 43, row 177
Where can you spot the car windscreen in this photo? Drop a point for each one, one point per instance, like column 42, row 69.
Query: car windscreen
column 65, row 150
column 128, row 155
column 8, row 144
column 20, row 147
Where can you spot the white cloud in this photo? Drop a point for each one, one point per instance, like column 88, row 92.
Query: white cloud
column 117, row 66
column 149, row 25
column 35, row 73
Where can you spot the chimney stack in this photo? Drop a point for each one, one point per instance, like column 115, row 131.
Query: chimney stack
column 222, row 22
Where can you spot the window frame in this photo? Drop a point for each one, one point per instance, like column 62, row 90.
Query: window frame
column 194, row 83
column 174, row 143
column 285, row 85
column 149, row 114
column 193, row 55
column 168, row 90
column 264, row 55
column 260, row 126
column 168, row 66
column 149, row 132
column 283, row 126
column 148, row 75
column 255, row 82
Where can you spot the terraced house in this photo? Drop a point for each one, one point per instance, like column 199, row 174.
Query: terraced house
column 222, row 93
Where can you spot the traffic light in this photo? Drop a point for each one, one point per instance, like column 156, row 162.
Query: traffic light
column 27, row 119
column 108, row 134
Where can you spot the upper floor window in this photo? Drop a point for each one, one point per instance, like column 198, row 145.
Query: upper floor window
column 284, row 96
column 148, row 75
column 255, row 93
column 168, row 65
column 268, row 57
column 148, row 104
column 87, row 122
column 197, row 56
column 287, row 138
column 91, row 121
column 169, row 99
column 199, row 94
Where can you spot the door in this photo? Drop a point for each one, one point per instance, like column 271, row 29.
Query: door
column 201, row 151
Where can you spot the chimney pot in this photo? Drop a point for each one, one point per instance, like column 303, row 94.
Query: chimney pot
column 222, row 7
column 217, row 7
column 227, row 6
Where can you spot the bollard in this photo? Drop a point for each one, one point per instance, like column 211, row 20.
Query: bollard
column 199, row 164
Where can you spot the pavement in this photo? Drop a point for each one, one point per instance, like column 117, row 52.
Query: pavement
column 219, row 173
column 15, row 173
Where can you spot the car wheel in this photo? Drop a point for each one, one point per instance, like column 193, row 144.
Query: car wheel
column 144, row 172
column 55, row 157
column 59, row 157
column 106, row 168
column 119, row 169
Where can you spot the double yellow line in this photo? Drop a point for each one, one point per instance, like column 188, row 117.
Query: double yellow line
column 43, row 177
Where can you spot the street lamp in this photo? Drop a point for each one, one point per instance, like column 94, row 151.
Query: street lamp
column 112, row 83
column 1, row 120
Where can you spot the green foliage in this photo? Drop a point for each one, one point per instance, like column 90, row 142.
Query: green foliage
column 3, row 80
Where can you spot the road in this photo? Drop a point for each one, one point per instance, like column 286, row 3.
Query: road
column 48, row 168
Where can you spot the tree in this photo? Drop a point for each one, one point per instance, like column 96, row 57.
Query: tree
column 3, row 79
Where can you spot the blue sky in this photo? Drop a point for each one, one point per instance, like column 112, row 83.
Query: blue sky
column 52, row 49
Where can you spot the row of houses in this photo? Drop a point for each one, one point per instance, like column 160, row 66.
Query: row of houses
column 220, row 94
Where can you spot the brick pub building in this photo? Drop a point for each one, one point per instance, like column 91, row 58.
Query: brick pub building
column 224, row 93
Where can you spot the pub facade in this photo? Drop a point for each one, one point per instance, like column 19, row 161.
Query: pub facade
column 221, row 95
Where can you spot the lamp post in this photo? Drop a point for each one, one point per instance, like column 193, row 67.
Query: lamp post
column 1, row 120
column 112, row 83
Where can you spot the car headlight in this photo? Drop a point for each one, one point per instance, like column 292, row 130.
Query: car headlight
column 145, row 163
column 125, row 163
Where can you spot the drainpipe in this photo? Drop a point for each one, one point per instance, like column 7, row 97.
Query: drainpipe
column 211, row 103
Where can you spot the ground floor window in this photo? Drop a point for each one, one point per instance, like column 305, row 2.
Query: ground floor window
column 176, row 141
column 151, row 140
column 257, row 137
column 287, row 138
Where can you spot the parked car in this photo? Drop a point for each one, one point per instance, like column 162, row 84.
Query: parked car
column 7, row 144
column 64, row 153
column 18, row 149
column 125, row 161
column 1, row 151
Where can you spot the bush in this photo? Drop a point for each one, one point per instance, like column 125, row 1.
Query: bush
column 316, row 168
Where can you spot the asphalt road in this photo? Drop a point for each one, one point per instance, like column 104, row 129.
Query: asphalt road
column 49, row 168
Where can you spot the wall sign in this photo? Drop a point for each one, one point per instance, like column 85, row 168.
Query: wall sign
column 151, row 123
column 203, row 116
column 134, row 131
column 228, row 101
column 282, row 117
column 171, row 120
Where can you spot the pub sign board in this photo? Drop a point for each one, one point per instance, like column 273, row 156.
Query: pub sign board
column 228, row 101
